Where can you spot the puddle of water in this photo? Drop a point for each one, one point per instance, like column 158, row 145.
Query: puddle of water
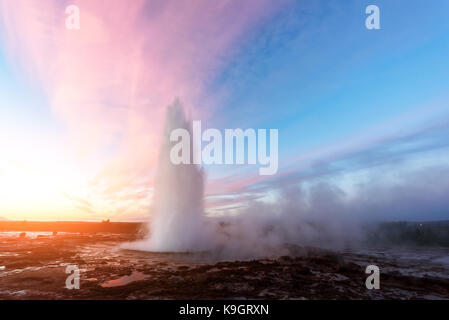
column 91, row 279
column 417, row 262
column 9, row 254
column 19, row 293
column 135, row 276
column 30, row 234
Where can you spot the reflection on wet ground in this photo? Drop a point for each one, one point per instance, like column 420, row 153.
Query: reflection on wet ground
column 135, row 276
column 35, row 268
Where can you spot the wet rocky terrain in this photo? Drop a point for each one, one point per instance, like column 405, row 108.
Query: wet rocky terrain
column 34, row 267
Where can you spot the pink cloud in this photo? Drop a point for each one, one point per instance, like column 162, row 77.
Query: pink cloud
column 110, row 81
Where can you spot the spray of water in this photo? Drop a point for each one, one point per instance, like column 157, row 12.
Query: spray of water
column 177, row 222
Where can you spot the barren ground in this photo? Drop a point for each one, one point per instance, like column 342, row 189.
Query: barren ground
column 35, row 269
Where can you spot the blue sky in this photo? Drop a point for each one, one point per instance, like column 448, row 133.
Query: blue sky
column 329, row 72
column 331, row 86
column 352, row 105
column 320, row 74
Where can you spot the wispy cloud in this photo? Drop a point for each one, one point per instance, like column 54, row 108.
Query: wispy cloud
column 110, row 81
column 390, row 186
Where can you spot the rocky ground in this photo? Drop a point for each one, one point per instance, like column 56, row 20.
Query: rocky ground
column 36, row 269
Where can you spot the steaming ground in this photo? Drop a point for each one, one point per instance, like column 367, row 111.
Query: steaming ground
column 178, row 222
column 321, row 215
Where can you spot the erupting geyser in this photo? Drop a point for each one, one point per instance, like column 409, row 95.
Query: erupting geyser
column 177, row 221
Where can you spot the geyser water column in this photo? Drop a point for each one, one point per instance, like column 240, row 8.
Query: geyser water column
column 177, row 222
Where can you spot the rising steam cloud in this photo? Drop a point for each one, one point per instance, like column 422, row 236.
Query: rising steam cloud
column 320, row 215
column 177, row 222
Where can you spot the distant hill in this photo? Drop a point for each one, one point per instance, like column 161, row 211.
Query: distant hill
column 3, row 219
